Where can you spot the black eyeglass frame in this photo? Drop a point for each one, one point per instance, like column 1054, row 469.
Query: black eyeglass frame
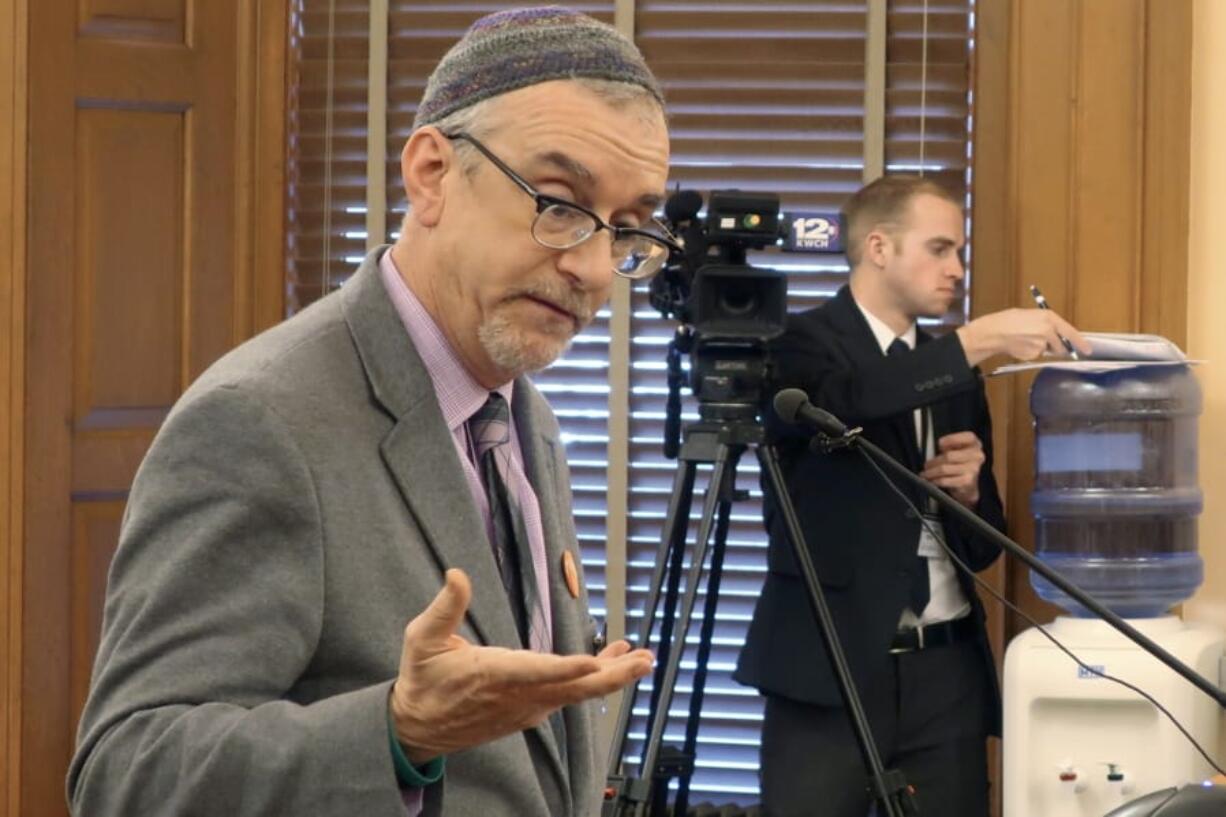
column 544, row 201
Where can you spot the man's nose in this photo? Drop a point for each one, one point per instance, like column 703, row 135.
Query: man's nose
column 589, row 265
column 955, row 268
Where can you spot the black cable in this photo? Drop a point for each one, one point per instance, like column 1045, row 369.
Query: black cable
column 992, row 591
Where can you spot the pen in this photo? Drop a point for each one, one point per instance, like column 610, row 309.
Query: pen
column 1042, row 302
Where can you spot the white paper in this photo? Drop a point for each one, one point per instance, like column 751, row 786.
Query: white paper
column 1123, row 346
column 1111, row 351
column 1087, row 365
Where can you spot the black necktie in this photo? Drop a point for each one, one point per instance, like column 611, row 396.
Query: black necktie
column 919, row 590
column 490, row 431
column 896, row 348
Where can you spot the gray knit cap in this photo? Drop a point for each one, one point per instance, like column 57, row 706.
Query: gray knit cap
column 516, row 48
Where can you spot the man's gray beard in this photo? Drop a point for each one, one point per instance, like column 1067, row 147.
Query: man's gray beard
column 506, row 347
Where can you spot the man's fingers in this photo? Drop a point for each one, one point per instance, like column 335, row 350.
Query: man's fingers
column 1074, row 337
column 964, row 456
column 525, row 667
column 618, row 648
column 615, row 674
column 1060, row 328
column 958, row 439
column 952, row 482
column 442, row 618
column 944, row 468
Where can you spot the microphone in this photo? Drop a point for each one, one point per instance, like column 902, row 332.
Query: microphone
column 682, row 207
column 793, row 407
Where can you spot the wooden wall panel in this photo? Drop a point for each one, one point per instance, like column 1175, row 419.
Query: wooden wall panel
column 1080, row 186
column 129, row 194
column 1042, row 135
column 992, row 284
column 1105, row 184
column 1167, row 132
column 95, row 531
column 13, row 101
column 1097, row 180
column 161, row 21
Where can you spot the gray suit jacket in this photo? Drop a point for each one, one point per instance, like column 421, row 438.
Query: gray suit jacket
column 296, row 510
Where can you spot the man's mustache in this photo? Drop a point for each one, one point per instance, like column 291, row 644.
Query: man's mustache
column 570, row 300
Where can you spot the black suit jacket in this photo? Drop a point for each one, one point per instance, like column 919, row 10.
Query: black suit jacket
column 861, row 536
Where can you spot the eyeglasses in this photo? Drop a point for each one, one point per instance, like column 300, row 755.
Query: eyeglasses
column 560, row 225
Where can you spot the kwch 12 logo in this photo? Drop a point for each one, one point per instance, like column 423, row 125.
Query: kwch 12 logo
column 813, row 232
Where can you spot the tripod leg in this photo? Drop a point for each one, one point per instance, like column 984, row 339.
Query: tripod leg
column 670, row 552
column 725, row 460
column 676, row 527
column 704, row 648
column 888, row 795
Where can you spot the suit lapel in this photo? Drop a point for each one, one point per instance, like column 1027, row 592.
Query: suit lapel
column 419, row 452
column 541, row 465
column 542, row 462
column 422, row 459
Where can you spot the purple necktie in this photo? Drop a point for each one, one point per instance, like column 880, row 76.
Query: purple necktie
column 490, row 431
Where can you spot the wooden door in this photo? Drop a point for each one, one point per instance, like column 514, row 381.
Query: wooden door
column 154, row 150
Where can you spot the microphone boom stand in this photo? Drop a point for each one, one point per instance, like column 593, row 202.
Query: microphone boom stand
column 851, row 438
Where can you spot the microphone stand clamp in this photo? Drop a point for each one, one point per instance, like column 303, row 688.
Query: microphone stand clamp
column 823, row 443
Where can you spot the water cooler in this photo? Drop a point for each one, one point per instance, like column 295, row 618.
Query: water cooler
column 1115, row 505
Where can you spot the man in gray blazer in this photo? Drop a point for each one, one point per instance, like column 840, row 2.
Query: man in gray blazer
column 332, row 479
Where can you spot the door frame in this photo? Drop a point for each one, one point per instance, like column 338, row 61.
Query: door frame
column 13, row 198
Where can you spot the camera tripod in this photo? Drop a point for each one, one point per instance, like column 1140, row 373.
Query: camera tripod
column 720, row 437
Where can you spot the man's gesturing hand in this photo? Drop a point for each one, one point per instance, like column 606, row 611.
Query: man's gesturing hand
column 452, row 695
column 956, row 467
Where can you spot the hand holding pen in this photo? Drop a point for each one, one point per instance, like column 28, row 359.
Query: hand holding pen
column 1042, row 302
column 1022, row 334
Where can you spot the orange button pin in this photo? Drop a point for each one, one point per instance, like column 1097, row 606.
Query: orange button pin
column 571, row 573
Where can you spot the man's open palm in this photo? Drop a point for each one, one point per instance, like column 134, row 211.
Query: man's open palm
column 451, row 695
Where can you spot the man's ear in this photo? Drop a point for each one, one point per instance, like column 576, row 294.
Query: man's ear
column 878, row 244
column 425, row 162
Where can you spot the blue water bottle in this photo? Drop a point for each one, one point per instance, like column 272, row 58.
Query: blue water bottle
column 1116, row 498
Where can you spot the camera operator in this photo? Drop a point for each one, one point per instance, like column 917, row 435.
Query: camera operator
column 911, row 624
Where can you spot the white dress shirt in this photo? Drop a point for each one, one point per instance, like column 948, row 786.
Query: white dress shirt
column 946, row 601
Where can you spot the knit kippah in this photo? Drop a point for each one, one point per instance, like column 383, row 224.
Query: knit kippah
column 516, row 48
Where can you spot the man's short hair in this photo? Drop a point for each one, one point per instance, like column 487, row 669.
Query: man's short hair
column 883, row 203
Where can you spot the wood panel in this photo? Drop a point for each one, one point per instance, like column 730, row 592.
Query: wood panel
column 992, row 286
column 161, row 21
column 1044, row 97
column 13, row 98
column 1097, row 174
column 1165, row 219
column 95, row 532
column 149, row 210
column 130, row 193
column 1081, row 187
column 1105, row 183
